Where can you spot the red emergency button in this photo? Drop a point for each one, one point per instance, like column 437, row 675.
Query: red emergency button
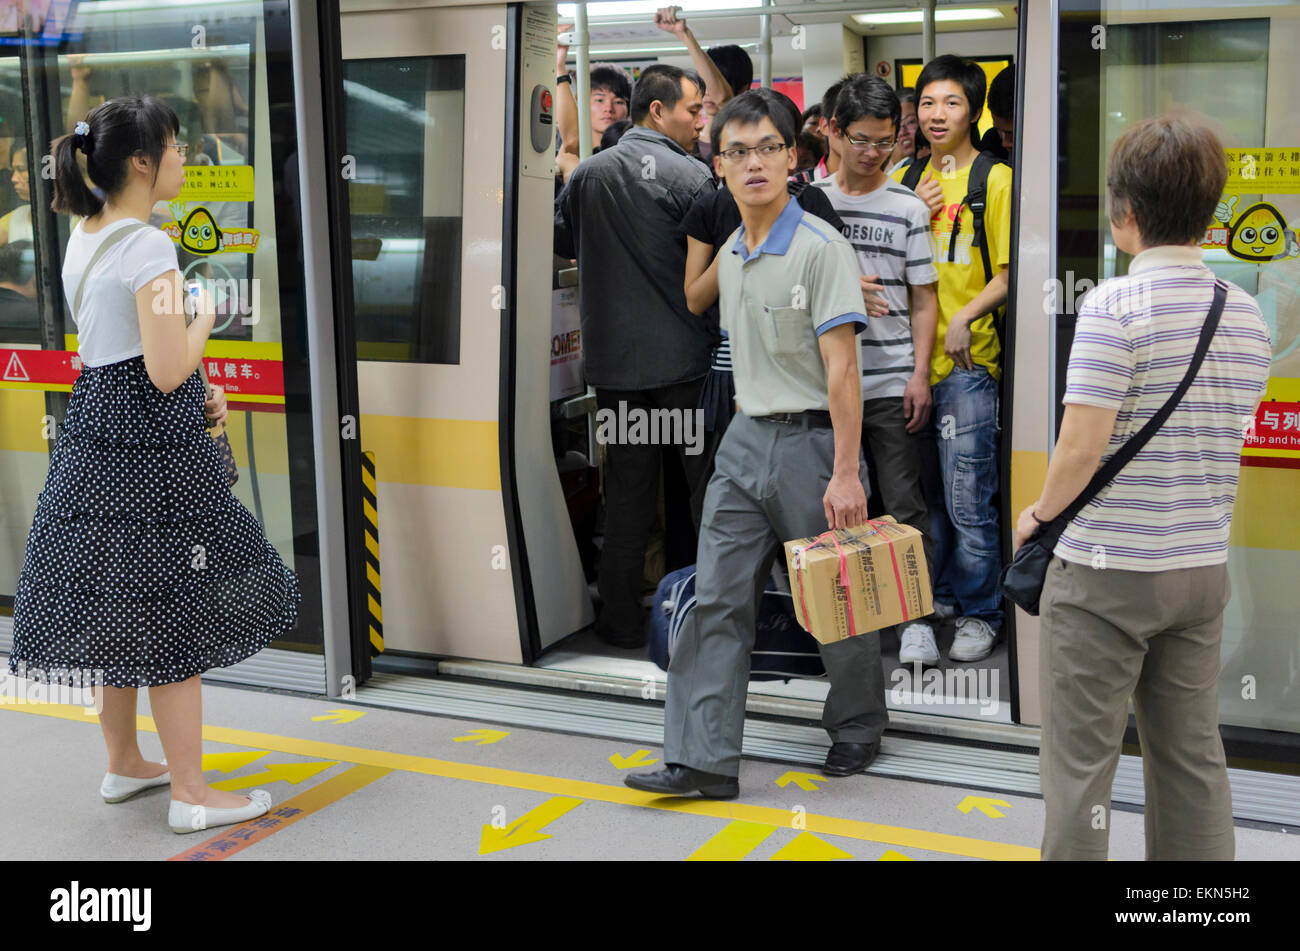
column 546, row 100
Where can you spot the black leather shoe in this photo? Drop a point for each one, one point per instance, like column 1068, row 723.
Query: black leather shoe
column 845, row 759
column 675, row 780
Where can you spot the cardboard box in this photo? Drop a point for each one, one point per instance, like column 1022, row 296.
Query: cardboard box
column 876, row 577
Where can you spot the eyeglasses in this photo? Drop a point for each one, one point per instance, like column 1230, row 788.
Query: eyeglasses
column 739, row 155
column 181, row 150
column 884, row 145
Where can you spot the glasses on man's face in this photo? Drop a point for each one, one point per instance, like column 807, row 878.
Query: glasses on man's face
column 181, row 149
column 867, row 145
column 764, row 152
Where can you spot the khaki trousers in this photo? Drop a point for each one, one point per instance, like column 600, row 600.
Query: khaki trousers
column 1108, row 635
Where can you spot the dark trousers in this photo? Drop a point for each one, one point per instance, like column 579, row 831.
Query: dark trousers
column 898, row 459
column 632, row 496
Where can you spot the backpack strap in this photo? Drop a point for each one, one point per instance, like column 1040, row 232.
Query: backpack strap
column 976, row 194
column 103, row 249
column 912, row 174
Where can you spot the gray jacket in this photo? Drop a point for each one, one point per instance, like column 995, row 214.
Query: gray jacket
column 620, row 215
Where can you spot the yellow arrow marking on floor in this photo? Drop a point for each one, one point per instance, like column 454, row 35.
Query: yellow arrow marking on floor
column 527, row 828
column 807, row 781
column 229, row 762
column 732, row 843
column 628, row 762
column 341, row 716
column 806, row 847
column 482, row 737
column 560, row 786
column 892, row 856
column 275, row 772
column 984, row 804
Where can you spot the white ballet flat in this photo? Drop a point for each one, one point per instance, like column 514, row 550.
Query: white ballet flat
column 116, row 788
column 186, row 817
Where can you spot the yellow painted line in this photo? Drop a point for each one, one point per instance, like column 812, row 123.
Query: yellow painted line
column 237, row 838
column 733, row 842
column 43, row 387
column 376, row 611
column 372, row 545
column 373, row 576
column 580, row 789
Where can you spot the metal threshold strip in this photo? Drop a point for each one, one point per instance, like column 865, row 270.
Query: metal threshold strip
column 1264, row 797
column 936, row 725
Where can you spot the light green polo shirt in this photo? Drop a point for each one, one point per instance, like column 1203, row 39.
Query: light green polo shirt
column 798, row 284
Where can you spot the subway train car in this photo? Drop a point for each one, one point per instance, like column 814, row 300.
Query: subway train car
column 400, row 348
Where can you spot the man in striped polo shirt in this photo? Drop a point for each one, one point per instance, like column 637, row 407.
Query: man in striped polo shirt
column 889, row 228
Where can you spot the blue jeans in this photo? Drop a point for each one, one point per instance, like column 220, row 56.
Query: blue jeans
column 963, row 517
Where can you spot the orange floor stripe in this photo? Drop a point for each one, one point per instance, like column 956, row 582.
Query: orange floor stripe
column 237, row 838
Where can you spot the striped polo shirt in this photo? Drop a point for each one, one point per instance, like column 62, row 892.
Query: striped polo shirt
column 1171, row 506
column 889, row 228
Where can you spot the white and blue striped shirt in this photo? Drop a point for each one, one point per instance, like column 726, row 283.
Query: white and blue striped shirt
column 1171, row 506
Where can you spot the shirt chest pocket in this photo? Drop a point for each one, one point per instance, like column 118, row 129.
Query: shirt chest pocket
column 786, row 329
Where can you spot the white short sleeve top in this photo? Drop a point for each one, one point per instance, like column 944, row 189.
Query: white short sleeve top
column 108, row 328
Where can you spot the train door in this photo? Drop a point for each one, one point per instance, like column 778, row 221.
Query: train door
column 445, row 160
column 227, row 73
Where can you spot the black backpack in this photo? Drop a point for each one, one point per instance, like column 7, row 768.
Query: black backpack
column 976, row 190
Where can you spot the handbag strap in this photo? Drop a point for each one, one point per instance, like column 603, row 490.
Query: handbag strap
column 1133, row 446
column 104, row 247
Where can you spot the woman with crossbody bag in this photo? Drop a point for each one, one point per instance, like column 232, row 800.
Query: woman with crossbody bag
column 1170, row 362
column 141, row 568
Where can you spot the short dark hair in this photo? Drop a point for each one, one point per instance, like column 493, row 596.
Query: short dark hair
column 660, row 82
column 18, row 145
column 966, row 74
column 866, row 96
column 814, row 110
column 1168, row 170
column 611, row 79
column 735, row 65
column 907, row 94
column 829, row 97
column 815, row 146
column 118, row 129
column 1002, row 94
column 17, row 263
column 613, row 132
column 751, row 108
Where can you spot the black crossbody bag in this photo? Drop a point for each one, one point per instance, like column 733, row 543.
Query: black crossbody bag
column 1022, row 579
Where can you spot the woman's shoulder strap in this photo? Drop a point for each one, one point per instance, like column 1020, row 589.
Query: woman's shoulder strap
column 100, row 251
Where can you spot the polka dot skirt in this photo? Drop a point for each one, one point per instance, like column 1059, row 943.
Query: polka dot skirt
column 141, row 562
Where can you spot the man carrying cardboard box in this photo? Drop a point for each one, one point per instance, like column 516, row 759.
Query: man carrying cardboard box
column 789, row 466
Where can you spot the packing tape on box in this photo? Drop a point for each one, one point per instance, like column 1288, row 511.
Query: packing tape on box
column 844, row 573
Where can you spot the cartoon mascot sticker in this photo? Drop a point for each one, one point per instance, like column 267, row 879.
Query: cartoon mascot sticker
column 1257, row 235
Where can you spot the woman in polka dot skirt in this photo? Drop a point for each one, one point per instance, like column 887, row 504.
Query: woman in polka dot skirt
column 141, row 566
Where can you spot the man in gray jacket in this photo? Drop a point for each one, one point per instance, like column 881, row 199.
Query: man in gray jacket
column 645, row 353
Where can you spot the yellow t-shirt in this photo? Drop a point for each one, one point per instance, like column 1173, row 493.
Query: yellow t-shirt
column 961, row 279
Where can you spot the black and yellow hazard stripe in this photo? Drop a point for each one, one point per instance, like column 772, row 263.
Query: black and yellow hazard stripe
column 370, row 509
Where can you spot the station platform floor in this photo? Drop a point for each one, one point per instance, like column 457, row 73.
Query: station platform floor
column 356, row 782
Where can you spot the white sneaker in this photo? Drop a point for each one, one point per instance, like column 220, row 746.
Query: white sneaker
column 944, row 611
column 187, row 817
column 974, row 640
column 918, row 646
column 116, row 788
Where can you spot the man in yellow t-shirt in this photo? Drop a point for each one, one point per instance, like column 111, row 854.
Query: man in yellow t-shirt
column 965, row 366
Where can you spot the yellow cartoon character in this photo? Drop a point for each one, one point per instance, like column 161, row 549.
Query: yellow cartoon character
column 1260, row 234
column 200, row 233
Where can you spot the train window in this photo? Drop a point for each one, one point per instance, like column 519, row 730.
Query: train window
column 405, row 135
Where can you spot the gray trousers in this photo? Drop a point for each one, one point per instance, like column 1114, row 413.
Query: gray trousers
column 766, row 489
column 1108, row 635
